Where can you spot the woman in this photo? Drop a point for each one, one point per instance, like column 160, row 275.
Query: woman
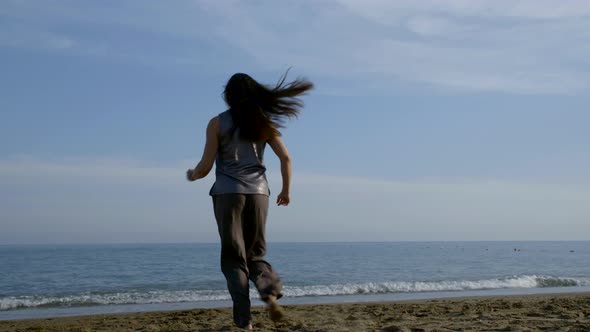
column 236, row 139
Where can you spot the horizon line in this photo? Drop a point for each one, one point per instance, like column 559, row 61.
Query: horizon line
column 272, row 242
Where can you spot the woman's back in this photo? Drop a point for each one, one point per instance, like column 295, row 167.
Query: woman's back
column 239, row 163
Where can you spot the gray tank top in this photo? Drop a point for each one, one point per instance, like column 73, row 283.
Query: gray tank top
column 239, row 167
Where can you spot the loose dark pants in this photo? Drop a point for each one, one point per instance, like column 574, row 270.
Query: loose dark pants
column 241, row 221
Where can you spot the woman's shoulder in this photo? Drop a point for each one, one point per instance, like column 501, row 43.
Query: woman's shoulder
column 214, row 122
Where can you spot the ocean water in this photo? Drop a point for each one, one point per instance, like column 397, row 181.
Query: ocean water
column 58, row 280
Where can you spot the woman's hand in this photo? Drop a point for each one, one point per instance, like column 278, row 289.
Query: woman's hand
column 191, row 174
column 283, row 199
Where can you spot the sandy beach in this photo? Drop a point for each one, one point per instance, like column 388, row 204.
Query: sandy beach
column 556, row 312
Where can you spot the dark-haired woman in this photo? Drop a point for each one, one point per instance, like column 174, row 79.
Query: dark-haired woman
column 236, row 140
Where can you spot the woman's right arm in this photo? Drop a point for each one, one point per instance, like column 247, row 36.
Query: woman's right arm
column 279, row 148
column 209, row 153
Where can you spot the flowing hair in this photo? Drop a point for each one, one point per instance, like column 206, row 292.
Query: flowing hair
column 258, row 111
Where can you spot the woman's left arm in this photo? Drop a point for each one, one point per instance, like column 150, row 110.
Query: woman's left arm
column 204, row 166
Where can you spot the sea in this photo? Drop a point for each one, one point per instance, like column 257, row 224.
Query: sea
column 62, row 280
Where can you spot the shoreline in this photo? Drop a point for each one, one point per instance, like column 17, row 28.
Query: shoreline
column 90, row 310
column 500, row 312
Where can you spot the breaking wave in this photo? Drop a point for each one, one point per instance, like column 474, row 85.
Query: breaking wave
column 167, row 296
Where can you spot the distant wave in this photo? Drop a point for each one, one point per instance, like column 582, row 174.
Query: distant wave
column 90, row 299
column 165, row 296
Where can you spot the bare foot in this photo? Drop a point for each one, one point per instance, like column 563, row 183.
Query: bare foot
column 248, row 328
column 275, row 312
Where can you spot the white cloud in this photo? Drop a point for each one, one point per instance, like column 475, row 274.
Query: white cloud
column 459, row 46
column 462, row 46
column 384, row 11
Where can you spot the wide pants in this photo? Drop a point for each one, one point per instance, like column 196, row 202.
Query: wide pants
column 241, row 221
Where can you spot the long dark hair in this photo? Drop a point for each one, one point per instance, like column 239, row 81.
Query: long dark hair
column 258, row 111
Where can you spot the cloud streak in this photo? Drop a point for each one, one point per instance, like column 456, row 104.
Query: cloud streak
column 114, row 200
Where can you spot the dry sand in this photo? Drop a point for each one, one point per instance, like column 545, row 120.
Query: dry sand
column 557, row 312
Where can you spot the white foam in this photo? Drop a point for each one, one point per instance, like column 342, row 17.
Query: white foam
column 161, row 296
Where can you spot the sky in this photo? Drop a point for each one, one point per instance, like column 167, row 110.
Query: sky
column 430, row 121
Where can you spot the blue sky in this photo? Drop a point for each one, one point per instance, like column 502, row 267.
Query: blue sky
column 431, row 120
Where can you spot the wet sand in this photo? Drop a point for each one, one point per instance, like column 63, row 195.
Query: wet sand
column 555, row 312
